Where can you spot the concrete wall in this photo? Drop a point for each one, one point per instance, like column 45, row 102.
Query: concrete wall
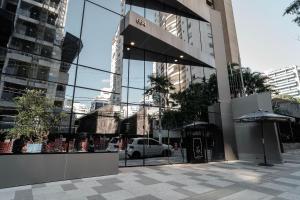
column 229, row 29
column 223, row 87
column 248, row 135
column 17, row 170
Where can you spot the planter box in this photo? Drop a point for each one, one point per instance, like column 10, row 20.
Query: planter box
column 27, row 169
column 5, row 147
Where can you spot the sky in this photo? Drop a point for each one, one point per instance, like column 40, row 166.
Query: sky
column 267, row 39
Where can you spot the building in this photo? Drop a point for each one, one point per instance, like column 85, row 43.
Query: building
column 187, row 29
column 286, row 81
column 187, row 44
column 116, row 68
column 104, row 120
column 79, row 109
column 101, row 100
column 39, row 54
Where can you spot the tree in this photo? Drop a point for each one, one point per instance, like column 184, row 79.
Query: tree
column 160, row 86
column 255, row 82
column 194, row 101
column 35, row 116
column 294, row 9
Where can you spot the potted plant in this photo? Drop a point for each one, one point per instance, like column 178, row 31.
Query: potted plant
column 34, row 121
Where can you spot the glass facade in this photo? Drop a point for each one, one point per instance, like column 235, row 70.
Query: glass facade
column 88, row 90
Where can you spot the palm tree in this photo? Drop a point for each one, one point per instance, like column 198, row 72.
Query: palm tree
column 255, row 82
column 160, row 86
column 294, row 9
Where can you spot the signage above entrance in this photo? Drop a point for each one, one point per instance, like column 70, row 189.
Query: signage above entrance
column 141, row 22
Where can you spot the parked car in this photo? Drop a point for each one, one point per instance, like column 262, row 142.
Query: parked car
column 137, row 146
column 113, row 144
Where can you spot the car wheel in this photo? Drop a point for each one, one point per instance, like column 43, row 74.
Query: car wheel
column 166, row 153
column 136, row 155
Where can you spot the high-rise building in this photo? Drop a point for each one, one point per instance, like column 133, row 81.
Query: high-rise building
column 199, row 34
column 116, row 68
column 38, row 52
column 195, row 33
column 286, row 81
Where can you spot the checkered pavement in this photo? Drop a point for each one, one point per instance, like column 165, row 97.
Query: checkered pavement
column 215, row 181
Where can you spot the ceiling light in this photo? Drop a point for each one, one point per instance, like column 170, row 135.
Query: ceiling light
column 132, row 43
column 181, row 56
column 176, row 60
column 128, row 49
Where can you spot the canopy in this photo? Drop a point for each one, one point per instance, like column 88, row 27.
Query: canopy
column 260, row 116
column 196, row 125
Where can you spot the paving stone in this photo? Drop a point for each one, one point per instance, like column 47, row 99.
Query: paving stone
column 77, row 181
column 145, row 197
column 23, row 195
column 219, row 183
column 146, row 180
column 39, row 185
column 289, row 180
column 218, row 193
column 175, row 183
column 96, row 197
column 106, row 188
column 118, row 195
column 109, row 181
column 248, row 195
column 289, row 196
column 67, row 187
column 198, row 189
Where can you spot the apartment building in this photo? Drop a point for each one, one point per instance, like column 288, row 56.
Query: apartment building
column 286, row 81
column 39, row 54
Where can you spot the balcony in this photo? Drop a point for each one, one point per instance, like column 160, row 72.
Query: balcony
column 53, row 7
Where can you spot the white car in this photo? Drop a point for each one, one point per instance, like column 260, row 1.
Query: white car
column 113, row 145
column 137, row 147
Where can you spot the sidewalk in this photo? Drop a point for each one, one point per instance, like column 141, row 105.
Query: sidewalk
column 214, row 181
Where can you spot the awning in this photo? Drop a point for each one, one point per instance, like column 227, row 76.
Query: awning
column 260, row 116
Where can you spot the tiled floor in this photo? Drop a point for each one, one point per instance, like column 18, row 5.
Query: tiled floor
column 215, row 181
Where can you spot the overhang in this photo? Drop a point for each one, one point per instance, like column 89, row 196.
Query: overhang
column 195, row 9
column 153, row 43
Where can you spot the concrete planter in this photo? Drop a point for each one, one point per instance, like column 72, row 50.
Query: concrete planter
column 26, row 169
column 5, row 147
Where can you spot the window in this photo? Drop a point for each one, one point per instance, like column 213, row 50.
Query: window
column 43, row 73
column 153, row 142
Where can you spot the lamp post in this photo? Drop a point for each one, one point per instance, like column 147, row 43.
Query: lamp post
column 238, row 67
